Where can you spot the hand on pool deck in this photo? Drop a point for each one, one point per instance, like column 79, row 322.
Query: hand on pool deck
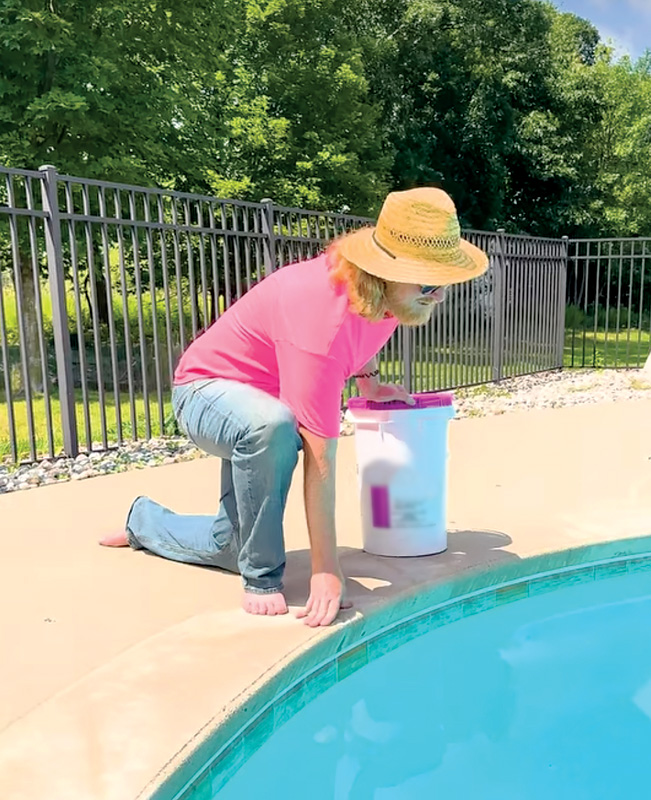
column 327, row 597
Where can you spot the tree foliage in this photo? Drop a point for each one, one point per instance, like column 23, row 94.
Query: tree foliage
column 301, row 126
column 121, row 89
column 516, row 109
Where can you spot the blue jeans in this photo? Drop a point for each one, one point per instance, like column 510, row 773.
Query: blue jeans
column 256, row 436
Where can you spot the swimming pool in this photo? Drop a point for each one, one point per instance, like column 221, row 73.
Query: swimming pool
column 484, row 698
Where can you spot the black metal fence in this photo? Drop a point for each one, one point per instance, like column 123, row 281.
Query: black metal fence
column 609, row 302
column 103, row 285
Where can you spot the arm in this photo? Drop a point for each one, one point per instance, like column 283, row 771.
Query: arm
column 368, row 378
column 368, row 383
column 327, row 583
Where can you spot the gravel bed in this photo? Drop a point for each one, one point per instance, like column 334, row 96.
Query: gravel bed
column 133, row 455
column 553, row 390
column 547, row 390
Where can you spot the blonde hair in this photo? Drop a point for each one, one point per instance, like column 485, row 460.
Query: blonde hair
column 366, row 292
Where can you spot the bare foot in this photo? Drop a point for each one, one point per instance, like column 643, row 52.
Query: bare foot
column 264, row 604
column 115, row 540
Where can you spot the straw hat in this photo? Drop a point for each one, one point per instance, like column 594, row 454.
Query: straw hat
column 416, row 240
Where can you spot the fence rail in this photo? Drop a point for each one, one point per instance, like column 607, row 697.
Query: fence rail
column 103, row 285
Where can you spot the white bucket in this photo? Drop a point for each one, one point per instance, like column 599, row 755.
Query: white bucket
column 402, row 454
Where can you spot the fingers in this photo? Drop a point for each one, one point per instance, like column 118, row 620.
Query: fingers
column 313, row 620
column 403, row 394
column 304, row 612
column 331, row 612
column 390, row 392
column 321, row 612
column 327, row 597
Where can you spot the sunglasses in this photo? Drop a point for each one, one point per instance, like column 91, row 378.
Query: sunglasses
column 425, row 290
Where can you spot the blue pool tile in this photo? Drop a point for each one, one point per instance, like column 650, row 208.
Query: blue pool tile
column 400, row 634
column 288, row 705
column 227, row 765
column 638, row 565
column 382, row 644
column 303, row 693
column 258, row 732
column 446, row 615
column 547, row 584
column 583, row 575
column 419, row 626
column 350, row 662
column 602, row 571
column 510, row 594
column 202, row 790
column 475, row 605
column 320, row 681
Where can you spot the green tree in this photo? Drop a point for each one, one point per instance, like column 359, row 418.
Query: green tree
column 622, row 145
column 114, row 90
column 453, row 78
column 301, row 127
column 553, row 166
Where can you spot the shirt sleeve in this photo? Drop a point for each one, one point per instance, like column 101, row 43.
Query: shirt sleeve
column 311, row 385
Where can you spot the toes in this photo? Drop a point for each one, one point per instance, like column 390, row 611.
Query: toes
column 274, row 605
column 114, row 540
column 254, row 605
column 279, row 605
column 264, row 605
column 249, row 604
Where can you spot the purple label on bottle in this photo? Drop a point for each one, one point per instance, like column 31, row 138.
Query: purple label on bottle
column 380, row 506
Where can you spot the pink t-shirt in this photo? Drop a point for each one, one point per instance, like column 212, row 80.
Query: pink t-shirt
column 294, row 336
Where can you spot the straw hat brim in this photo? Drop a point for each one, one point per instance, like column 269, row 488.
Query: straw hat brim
column 460, row 264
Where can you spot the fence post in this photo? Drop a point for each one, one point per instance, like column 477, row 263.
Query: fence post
column 498, row 270
column 406, row 356
column 562, row 302
column 269, row 241
column 62, row 349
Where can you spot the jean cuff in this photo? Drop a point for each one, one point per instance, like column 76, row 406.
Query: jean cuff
column 131, row 537
column 259, row 590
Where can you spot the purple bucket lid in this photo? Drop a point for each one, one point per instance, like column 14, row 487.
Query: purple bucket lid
column 424, row 400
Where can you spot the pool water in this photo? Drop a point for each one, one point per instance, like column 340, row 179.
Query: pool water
column 549, row 697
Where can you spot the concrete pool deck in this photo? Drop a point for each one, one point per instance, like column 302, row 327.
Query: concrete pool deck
column 114, row 662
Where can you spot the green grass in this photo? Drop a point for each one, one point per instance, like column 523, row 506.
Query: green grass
column 94, row 419
column 629, row 348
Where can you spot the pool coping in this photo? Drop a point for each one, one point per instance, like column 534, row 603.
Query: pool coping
column 226, row 743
